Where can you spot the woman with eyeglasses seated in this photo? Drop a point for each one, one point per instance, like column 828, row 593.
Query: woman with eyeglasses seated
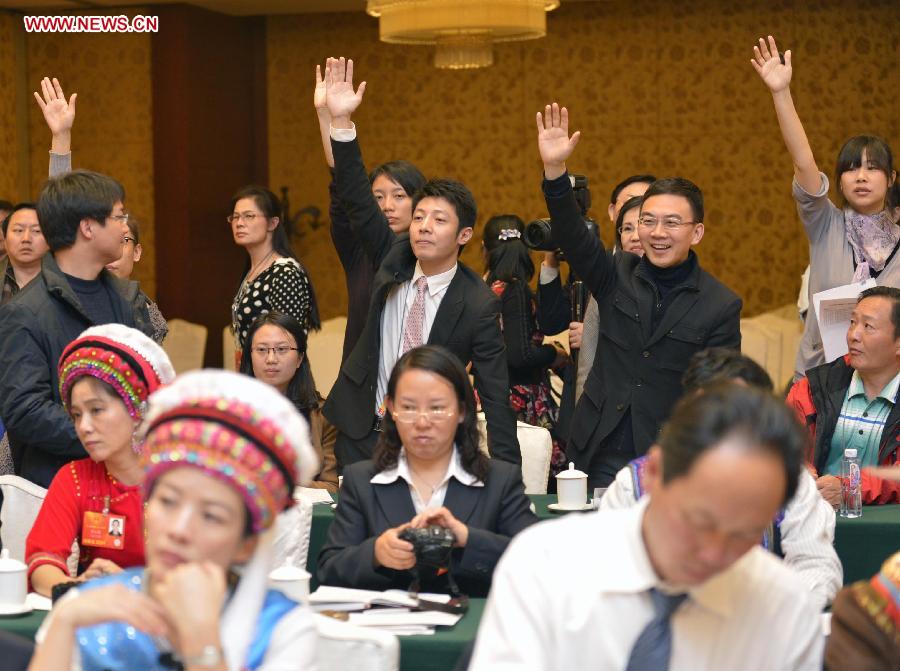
column 426, row 470
column 275, row 353
column 273, row 279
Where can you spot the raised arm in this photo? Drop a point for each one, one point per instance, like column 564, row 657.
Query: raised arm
column 324, row 116
column 777, row 76
column 367, row 221
column 58, row 113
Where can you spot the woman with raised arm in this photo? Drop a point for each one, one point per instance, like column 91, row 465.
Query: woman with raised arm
column 393, row 185
column 105, row 377
column 273, row 279
column 223, row 454
column 851, row 243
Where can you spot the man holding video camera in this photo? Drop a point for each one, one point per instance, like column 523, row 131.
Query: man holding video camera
column 655, row 311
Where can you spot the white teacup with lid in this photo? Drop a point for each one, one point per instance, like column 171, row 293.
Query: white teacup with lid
column 571, row 488
column 292, row 581
column 13, row 582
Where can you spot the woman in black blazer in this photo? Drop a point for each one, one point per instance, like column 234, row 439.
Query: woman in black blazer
column 427, row 469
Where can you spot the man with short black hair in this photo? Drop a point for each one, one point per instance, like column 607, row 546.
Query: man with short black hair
column 802, row 532
column 852, row 401
column 677, row 581
column 655, row 311
column 82, row 216
column 421, row 293
column 25, row 246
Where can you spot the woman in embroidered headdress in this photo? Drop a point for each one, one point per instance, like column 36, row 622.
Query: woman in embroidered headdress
column 852, row 243
column 509, row 270
column 222, row 455
column 105, row 377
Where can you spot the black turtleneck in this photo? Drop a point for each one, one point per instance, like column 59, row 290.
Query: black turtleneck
column 665, row 281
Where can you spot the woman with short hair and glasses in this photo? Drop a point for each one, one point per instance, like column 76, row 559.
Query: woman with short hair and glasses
column 273, row 278
column 427, row 470
column 275, row 353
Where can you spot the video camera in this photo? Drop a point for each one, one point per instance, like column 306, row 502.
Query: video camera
column 538, row 233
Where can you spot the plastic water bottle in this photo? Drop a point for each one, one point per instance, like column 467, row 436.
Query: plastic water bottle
column 851, row 487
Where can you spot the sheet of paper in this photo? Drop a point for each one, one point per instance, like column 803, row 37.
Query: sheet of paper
column 387, row 617
column 395, row 597
column 312, row 495
column 833, row 308
column 37, row 601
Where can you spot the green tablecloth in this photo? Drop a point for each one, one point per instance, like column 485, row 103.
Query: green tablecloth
column 862, row 544
column 438, row 652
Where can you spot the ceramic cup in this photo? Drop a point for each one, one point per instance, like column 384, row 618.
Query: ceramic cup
column 13, row 580
column 571, row 488
column 292, row 581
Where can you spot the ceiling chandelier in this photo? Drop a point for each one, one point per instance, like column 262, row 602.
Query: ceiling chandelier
column 463, row 31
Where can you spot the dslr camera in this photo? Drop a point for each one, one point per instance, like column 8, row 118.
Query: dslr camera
column 538, row 233
column 432, row 545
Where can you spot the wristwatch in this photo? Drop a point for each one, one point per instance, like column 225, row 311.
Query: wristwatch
column 209, row 657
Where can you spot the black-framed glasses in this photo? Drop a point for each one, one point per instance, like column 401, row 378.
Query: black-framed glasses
column 411, row 416
column 280, row 350
column 128, row 239
column 669, row 223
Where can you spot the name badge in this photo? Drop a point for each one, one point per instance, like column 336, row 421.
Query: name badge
column 101, row 530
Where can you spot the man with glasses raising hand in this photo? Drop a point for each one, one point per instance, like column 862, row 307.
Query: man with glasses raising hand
column 656, row 311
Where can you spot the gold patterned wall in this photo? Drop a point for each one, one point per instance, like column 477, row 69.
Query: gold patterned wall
column 113, row 131
column 654, row 86
column 13, row 159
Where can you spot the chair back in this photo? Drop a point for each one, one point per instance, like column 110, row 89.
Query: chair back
column 536, row 447
column 345, row 646
column 229, row 361
column 185, row 345
column 324, row 349
column 292, row 529
column 22, row 501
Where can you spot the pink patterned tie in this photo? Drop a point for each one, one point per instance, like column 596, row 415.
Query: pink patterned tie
column 415, row 319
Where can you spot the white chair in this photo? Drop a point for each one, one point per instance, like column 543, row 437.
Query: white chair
column 185, row 345
column 292, row 529
column 22, row 501
column 536, row 447
column 345, row 646
column 324, row 349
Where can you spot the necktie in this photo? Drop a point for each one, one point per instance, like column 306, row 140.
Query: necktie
column 415, row 318
column 653, row 648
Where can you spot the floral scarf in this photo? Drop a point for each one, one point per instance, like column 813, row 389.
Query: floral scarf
column 873, row 238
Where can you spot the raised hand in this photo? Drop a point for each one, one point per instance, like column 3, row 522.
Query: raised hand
column 767, row 63
column 341, row 99
column 59, row 114
column 319, row 95
column 554, row 142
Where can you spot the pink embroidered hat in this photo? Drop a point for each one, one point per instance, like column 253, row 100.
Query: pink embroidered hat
column 122, row 357
column 234, row 428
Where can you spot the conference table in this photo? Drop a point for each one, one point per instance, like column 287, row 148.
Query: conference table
column 862, row 545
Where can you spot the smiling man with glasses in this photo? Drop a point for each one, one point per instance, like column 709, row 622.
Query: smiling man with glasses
column 655, row 311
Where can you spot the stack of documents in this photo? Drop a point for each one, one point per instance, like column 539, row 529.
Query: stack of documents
column 392, row 610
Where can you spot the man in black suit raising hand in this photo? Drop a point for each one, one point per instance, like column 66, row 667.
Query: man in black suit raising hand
column 421, row 293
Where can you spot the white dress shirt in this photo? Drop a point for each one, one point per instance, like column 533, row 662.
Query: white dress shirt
column 807, row 533
column 393, row 318
column 573, row 594
column 401, row 470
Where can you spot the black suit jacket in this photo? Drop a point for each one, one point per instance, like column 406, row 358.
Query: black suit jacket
column 637, row 367
column 467, row 321
column 494, row 514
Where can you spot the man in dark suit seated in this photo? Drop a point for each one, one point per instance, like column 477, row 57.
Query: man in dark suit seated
column 421, row 294
column 655, row 311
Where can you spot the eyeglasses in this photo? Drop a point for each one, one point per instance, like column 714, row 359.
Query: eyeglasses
column 249, row 217
column 127, row 239
column 121, row 218
column 669, row 223
column 627, row 229
column 280, row 350
column 433, row 416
